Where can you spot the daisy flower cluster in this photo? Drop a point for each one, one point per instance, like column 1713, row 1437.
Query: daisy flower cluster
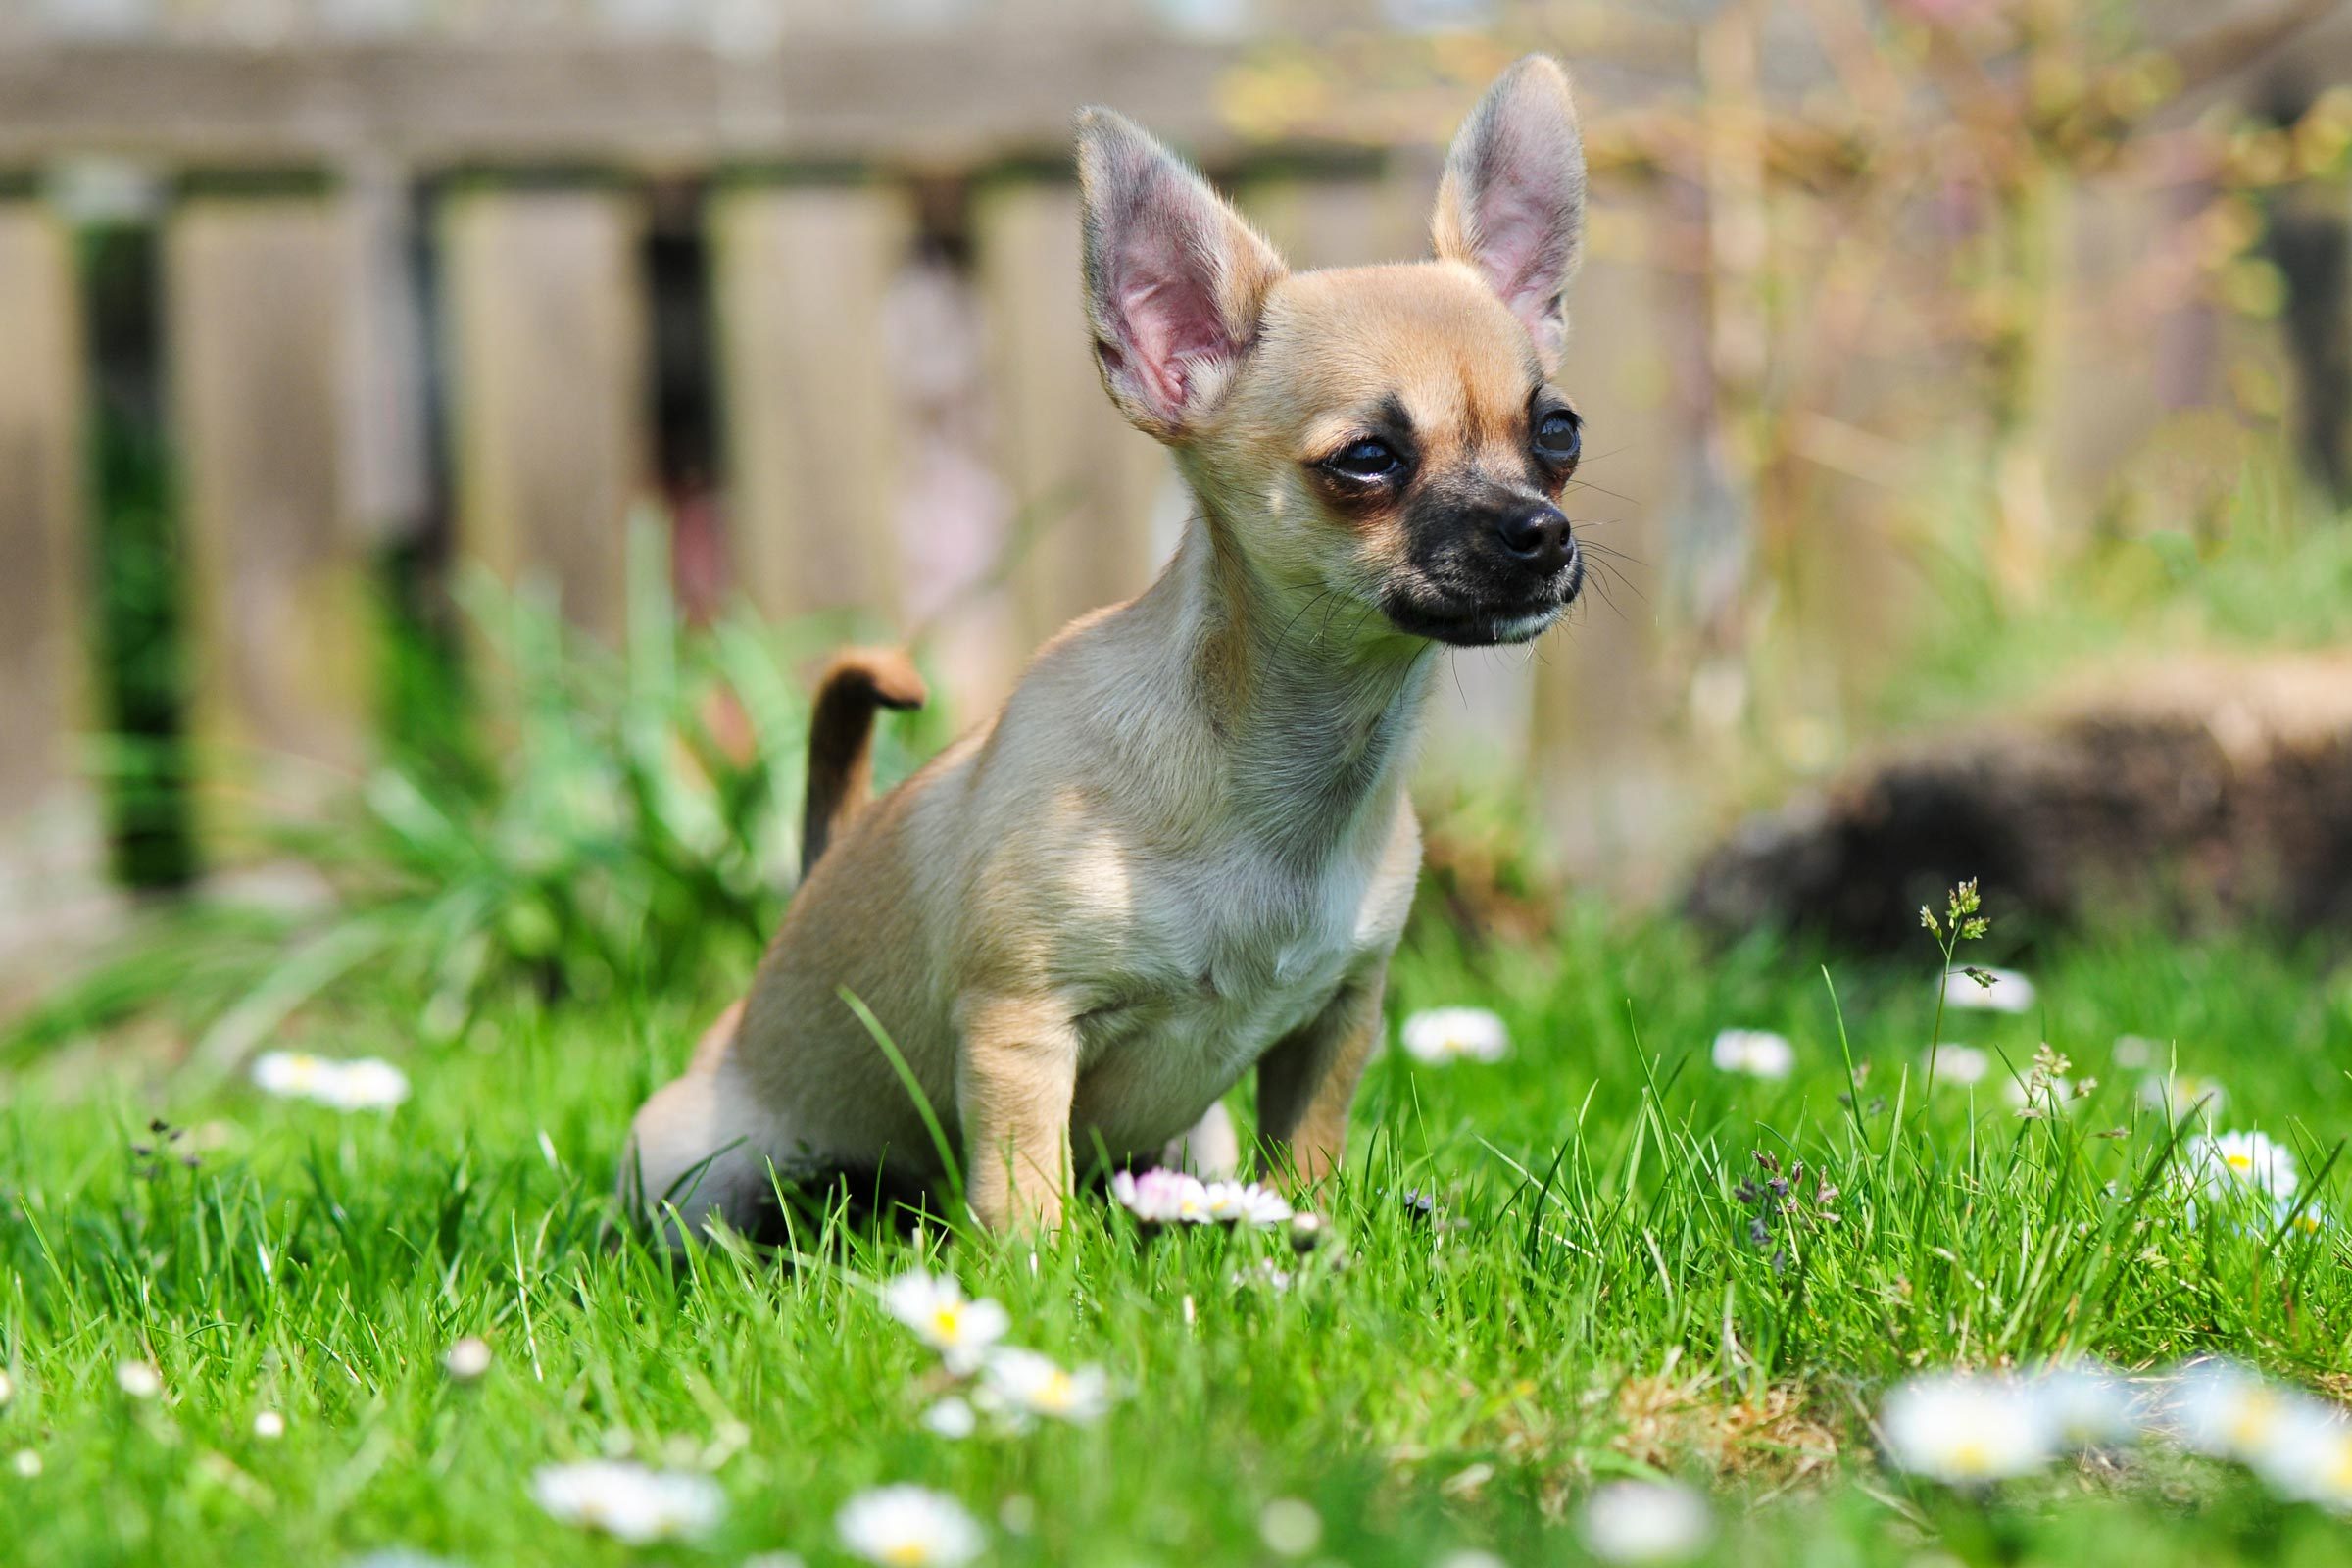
column 1645, row 1522
column 1014, row 1388
column 1959, row 1067
column 368, row 1083
column 1446, row 1035
column 910, row 1527
column 1173, row 1198
column 1974, row 987
column 1754, row 1053
column 1971, row 1430
column 628, row 1500
column 2237, row 1171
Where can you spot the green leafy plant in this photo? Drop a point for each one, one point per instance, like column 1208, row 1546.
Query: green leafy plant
column 614, row 820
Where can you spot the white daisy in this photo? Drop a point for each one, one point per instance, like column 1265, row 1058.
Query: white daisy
column 1645, row 1522
column 1757, row 1052
column 8, row 1390
column 910, row 1527
column 2179, row 1094
column 27, row 1463
column 2008, row 992
column 1266, row 1273
column 1245, row 1204
column 469, row 1359
column 1959, row 1066
column 1454, row 1034
column 139, row 1379
column 2026, row 1091
column 2135, row 1051
column 2085, row 1406
column 295, row 1074
column 2298, row 1220
column 2243, row 1163
column 934, row 1306
column 268, row 1425
column 627, row 1500
column 1289, row 1526
column 1471, row 1557
column 2232, row 1412
column 1022, row 1383
column 1162, row 1196
column 2310, row 1457
column 367, row 1084
column 951, row 1417
column 1964, row 1430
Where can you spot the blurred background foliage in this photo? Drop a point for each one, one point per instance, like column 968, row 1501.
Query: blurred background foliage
column 1935, row 352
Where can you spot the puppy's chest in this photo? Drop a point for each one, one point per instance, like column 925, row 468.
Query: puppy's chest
column 1214, row 969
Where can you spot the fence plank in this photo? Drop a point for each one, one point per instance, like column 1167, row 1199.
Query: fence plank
column 43, row 583
column 1096, row 504
column 804, row 273
column 278, row 599
column 548, row 354
column 1351, row 219
column 1602, row 701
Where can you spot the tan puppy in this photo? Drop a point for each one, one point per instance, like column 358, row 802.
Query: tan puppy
column 1183, row 848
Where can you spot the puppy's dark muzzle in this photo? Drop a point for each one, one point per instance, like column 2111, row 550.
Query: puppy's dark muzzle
column 1538, row 537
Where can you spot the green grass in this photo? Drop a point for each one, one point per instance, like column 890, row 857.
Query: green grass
column 1424, row 1387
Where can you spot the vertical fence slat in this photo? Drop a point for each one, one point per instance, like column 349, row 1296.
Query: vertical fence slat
column 43, row 585
column 1354, row 218
column 387, row 480
column 1094, row 507
column 1601, row 703
column 547, row 354
column 803, row 272
column 279, row 625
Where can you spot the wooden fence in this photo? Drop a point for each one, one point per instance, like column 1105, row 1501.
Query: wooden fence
column 888, row 242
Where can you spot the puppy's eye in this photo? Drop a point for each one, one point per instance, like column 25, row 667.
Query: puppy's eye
column 1366, row 459
column 1560, row 436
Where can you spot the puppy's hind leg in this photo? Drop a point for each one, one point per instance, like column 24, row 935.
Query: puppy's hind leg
column 1209, row 1149
column 700, row 1149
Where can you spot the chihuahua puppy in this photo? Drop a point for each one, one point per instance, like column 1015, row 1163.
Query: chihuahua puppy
column 1183, row 848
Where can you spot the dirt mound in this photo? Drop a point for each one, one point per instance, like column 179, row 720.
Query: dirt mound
column 2193, row 790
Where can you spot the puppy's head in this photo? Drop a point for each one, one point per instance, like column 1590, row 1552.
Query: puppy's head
column 1391, row 436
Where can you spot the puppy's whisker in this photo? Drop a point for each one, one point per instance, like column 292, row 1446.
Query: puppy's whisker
column 1587, row 484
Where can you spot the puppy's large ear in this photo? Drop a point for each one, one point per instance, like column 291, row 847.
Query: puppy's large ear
column 1513, row 202
column 1174, row 278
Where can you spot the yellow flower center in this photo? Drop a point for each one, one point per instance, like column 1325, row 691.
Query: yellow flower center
column 1971, row 1456
column 907, row 1553
column 2239, row 1162
column 1057, row 1391
column 947, row 1322
column 2253, row 1419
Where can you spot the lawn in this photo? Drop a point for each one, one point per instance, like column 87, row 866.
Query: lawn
column 1540, row 1274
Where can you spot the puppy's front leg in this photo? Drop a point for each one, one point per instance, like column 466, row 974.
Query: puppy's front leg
column 1013, row 1086
column 1306, row 1081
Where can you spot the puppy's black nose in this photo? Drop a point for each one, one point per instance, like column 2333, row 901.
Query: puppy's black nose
column 1538, row 536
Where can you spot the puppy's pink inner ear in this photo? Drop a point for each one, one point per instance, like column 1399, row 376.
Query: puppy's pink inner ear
column 1513, row 205
column 1522, row 248
column 1166, row 308
column 1170, row 321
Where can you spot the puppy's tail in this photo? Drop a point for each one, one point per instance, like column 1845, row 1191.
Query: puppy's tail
column 841, row 738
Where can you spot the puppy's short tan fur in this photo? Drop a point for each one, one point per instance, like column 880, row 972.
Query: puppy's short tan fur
column 1181, row 850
